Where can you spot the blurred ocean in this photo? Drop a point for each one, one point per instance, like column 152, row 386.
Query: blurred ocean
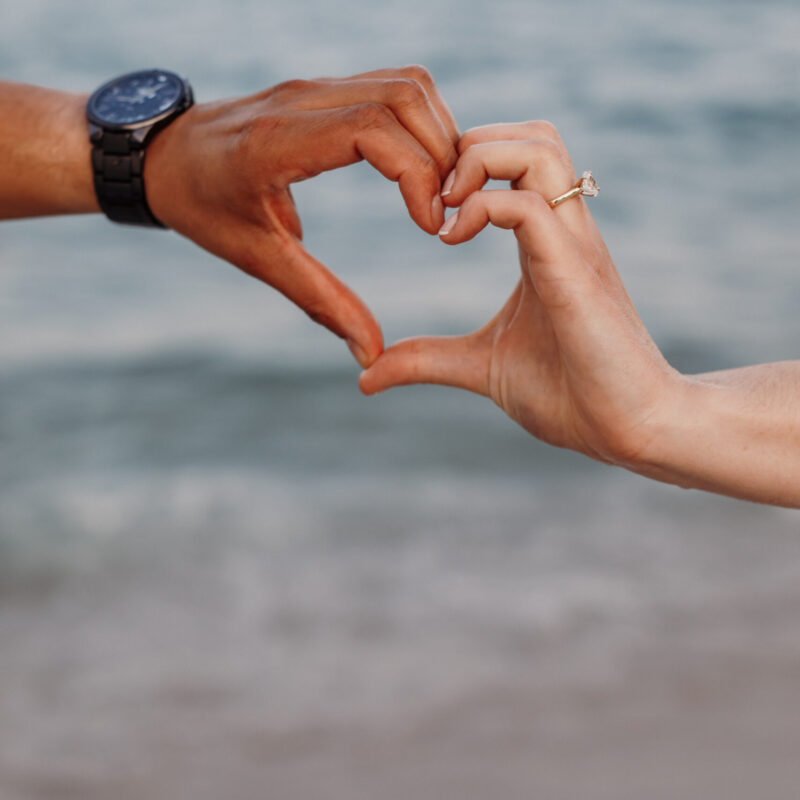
column 225, row 573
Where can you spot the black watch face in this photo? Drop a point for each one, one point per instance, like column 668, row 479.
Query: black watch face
column 135, row 98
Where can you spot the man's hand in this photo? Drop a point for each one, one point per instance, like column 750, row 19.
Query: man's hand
column 221, row 174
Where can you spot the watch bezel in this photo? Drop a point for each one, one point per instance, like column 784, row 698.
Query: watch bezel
column 180, row 104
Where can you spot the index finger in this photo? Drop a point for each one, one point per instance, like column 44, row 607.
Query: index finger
column 370, row 131
column 506, row 131
column 407, row 100
column 420, row 74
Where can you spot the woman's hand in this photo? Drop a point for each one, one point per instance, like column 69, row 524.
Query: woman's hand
column 567, row 357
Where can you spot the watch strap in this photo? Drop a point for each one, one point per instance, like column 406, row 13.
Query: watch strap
column 118, row 166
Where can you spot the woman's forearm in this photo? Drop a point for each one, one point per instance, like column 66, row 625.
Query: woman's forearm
column 45, row 162
column 736, row 432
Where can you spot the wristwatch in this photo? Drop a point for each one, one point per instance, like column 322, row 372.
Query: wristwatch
column 124, row 115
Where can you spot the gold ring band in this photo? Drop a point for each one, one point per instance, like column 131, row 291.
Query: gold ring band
column 586, row 186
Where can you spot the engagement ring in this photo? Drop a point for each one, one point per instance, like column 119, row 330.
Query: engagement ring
column 586, row 186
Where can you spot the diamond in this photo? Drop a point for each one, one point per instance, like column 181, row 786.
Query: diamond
column 588, row 185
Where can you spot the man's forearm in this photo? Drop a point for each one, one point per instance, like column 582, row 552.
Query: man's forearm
column 736, row 432
column 45, row 162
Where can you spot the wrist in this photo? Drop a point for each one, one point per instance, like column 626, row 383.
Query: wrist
column 45, row 163
column 673, row 433
column 166, row 177
column 77, row 193
column 189, row 168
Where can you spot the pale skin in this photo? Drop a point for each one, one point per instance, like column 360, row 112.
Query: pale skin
column 567, row 356
column 221, row 173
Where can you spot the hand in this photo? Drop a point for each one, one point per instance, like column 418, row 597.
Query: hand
column 221, row 174
column 567, row 357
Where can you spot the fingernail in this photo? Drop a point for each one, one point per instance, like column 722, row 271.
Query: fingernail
column 437, row 209
column 449, row 224
column 358, row 352
column 448, row 183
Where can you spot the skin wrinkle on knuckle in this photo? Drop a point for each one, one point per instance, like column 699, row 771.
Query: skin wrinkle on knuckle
column 425, row 169
column 407, row 92
column 320, row 314
column 412, row 368
column 533, row 204
column 258, row 135
column 477, row 152
column 470, row 210
column 419, row 73
column 545, row 156
column 372, row 116
column 543, row 149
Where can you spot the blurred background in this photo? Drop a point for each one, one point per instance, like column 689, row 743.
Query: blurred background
column 224, row 572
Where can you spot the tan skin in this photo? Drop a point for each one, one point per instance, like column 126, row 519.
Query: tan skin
column 567, row 356
column 221, row 174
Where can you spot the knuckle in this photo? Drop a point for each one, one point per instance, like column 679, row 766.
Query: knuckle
column 407, row 91
column 471, row 161
column 250, row 140
column 415, row 359
column 433, row 176
column 320, row 314
column 542, row 129
column 426, row 171
column 369, row 116
column 419, row 74
column 547, row 156
column 473, row 202
column 549, row 160
column 544, row 149
column 472, row 150
column 534, row 202
column 428, row 162
column 294, row 86
column 265, row 125
column 469, row 139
